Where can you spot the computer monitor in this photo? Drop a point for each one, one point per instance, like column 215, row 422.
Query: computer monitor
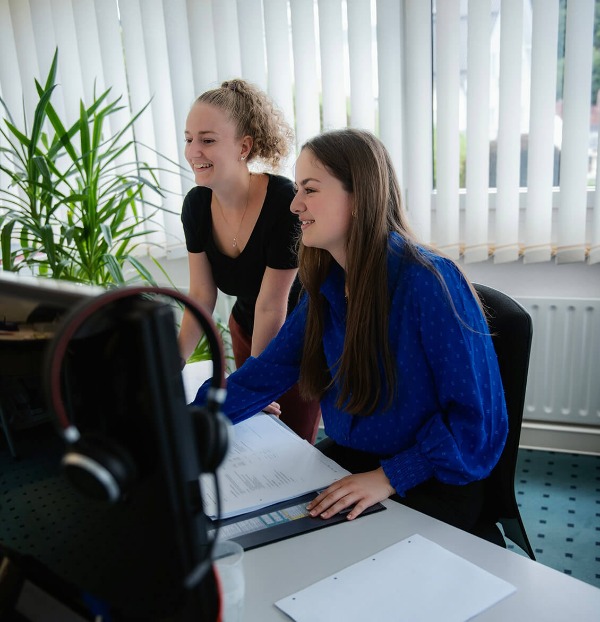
column 147, row 555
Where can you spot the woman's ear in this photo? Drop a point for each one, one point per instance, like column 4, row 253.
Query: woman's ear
column 246, row 147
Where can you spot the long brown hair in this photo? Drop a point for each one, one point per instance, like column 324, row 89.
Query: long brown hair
column 366, row 372
column 363, row 166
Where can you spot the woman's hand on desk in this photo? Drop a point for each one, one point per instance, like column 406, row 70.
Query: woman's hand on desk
column 361, row 490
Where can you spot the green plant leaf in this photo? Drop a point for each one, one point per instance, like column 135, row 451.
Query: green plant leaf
column 114, row 269
column 202, row 350
column 74, row 209
column 6, row 242
column 142, row 271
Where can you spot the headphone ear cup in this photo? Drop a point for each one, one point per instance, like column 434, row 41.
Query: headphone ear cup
column 212, row 434
column 99, row 468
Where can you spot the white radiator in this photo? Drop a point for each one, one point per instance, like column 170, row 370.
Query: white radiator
column 563, row 385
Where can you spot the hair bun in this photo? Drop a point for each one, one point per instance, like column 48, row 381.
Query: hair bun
column 232, row 85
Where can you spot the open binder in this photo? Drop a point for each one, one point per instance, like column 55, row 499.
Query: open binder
column 280, row 521
column 266, row 481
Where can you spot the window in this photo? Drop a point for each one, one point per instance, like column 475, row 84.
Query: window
column 414, row 72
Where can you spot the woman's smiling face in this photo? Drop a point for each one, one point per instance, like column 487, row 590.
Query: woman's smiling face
column 211, row 146
column 323, row 207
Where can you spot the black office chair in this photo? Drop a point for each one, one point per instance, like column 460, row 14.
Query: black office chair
column 511, row 328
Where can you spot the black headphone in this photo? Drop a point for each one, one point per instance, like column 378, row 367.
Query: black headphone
column 100, row 467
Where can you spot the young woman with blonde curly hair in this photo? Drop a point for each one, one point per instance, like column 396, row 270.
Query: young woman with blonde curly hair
column 240, row 234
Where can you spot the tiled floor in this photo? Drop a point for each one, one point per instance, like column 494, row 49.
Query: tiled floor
column 559, row 498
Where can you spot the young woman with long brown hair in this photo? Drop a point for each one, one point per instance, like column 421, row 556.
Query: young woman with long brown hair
column 390, row 337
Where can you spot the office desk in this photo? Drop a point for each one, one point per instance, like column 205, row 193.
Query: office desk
column 279, row 569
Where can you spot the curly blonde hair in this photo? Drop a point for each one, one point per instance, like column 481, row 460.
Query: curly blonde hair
column 255, row 115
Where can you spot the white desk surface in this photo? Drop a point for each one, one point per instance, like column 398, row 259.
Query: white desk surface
column 282, row 568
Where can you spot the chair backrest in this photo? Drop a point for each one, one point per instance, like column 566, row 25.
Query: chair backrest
column 511, row 328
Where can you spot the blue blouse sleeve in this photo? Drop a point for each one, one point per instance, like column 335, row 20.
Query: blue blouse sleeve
column 263, row 379
column 463, row 440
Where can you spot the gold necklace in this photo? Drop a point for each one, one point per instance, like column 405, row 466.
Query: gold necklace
column 235, row 237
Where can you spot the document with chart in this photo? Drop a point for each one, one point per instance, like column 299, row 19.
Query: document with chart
column 266, row 463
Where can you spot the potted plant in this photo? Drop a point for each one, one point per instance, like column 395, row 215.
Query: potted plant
column 74, row 209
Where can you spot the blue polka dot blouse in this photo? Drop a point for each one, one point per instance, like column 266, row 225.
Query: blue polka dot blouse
column 448, row 419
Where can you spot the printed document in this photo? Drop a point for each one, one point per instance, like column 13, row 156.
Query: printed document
column 266, row 463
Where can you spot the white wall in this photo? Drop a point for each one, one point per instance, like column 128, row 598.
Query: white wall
column 572, row 280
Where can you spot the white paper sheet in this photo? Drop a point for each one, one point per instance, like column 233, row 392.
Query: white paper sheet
column 266, row 463
column 415, row 580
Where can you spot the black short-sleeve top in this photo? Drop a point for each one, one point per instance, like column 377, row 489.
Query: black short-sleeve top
column 272, row 243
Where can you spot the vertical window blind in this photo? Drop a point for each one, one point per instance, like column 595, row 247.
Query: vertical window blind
column 447, row 52
column 575, row 135
column 462, row 92
column 478, row 119
column 418, row 116
column 538, row 225
column 509, row 131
